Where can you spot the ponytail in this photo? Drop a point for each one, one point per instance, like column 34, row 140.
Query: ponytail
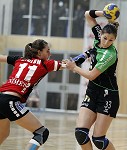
column 31, row 49
column 116, row 24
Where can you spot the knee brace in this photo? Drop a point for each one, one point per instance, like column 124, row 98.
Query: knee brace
column 100, row 142
column 81, row 135
column 40, row 136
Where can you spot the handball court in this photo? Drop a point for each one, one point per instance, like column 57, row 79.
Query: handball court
column 61, row 127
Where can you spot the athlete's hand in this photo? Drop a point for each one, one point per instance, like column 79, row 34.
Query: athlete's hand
column 63, row 64
column 70, row 64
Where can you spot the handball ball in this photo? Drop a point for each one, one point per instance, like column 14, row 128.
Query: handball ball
column 111, row 12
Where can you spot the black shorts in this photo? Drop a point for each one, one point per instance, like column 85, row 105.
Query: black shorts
column 11, row 107
column 102, row 101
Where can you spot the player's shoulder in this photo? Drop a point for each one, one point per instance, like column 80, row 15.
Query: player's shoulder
column 112, row 50
column 111, row 54
column 49, row 62
column 12, row 59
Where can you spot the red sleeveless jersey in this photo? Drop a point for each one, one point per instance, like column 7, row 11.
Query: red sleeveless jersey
column 26, row 74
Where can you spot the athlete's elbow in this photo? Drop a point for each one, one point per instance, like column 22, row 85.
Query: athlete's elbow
column 86, row 14
column 91, row 78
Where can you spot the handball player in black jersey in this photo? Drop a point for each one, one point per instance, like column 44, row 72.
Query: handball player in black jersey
column 101, row 101
column 26, row 74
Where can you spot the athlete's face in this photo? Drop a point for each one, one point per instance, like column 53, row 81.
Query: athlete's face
column 45, row 53
column 107, row 40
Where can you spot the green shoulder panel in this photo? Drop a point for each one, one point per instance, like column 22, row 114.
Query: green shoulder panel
column 105, row 58
column 95, row 42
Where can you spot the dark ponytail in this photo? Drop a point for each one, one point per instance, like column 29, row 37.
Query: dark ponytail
column 111, row 28
column 31, row 49
column 116, row 24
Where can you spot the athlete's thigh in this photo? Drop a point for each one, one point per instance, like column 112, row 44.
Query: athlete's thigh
column 102, row 124
column 29, row 122
column 108, row 102
column 4, row 127
column 86, row 118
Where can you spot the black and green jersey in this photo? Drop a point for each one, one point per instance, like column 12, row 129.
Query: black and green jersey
column 105, row 60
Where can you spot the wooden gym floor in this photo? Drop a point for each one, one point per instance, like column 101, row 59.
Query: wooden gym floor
column 61, row 137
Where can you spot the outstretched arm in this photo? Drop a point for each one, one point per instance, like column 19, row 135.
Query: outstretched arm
column 90, row 75
column 3, row 58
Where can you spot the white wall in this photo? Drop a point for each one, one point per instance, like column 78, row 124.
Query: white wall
column 5, row 16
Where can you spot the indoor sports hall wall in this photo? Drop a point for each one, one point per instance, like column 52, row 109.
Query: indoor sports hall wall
column 71, row 42
column 18, row 42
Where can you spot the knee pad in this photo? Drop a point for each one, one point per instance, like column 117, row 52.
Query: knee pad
column 40, row 135
column 81, row 135
column 100, row 142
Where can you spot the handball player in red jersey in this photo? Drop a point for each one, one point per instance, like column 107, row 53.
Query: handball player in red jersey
column 27, row 72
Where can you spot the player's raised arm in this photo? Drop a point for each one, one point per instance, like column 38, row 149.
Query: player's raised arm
column 91, row 16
